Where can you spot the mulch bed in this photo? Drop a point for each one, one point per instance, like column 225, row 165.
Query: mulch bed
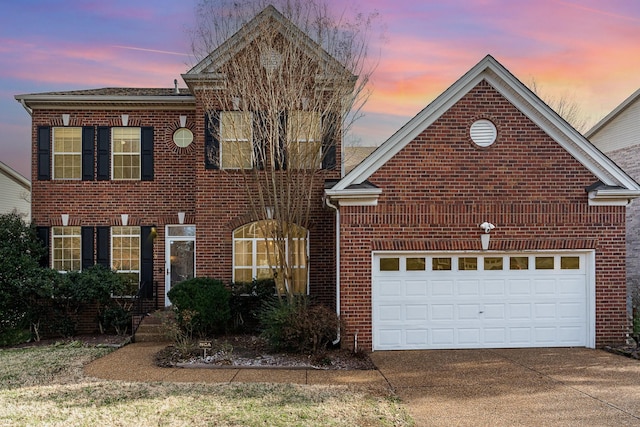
column 252, row 351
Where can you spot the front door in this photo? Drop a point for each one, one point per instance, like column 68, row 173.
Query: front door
column 180, row 256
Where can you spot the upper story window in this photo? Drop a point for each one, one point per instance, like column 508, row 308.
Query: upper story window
column 66, row 248
column 67, row 153
column 236, row 146
column 126, row 153
column 304, row 135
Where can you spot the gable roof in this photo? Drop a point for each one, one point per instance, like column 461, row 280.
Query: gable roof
column 613, row 114
column 15, row 176
column 490, row 70
column 250, row 32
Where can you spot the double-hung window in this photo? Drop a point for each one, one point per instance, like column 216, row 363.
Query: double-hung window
column 236, row 146
column 304, row 135
column 66, row 248
column 67, row 152
column 125, row 256
column 126, row 153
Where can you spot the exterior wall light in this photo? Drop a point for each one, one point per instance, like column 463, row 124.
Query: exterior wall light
column 484, row 238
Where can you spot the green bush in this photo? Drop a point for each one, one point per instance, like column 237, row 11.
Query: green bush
column 205, row 300
column 298, row 326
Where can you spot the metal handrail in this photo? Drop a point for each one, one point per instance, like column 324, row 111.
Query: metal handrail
column 138, row 308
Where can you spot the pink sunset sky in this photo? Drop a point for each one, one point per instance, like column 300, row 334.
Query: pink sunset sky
column 585, row 50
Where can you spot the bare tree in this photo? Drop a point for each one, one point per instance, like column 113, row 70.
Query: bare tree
column 565, row 106
column 283, row 86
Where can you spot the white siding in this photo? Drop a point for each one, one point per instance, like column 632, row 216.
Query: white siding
column 14, row 195
column 621, row 132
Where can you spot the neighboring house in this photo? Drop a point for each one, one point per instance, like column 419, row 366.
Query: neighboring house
column 353, row 156
column 618, row 136
column 15, row 193
column 395, row 245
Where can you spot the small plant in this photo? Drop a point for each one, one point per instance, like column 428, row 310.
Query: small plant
column 294, row 324
column 180, row 332
column 206, row 303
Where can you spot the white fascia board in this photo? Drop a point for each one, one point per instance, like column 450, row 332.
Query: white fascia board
column 354, row 197
column 103, row 99
column 612, row 197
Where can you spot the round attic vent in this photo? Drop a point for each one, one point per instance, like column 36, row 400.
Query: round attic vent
column 483, row 133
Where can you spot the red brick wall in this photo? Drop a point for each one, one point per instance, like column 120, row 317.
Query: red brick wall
column 441, row 186
column 214, row 200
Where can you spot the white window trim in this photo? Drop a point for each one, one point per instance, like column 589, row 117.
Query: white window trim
column 113, row 235
column 55, row 236
column 55, row 153
column 113, row 155
column 224, row 141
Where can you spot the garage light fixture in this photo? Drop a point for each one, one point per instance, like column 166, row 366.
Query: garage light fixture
column 484, row 238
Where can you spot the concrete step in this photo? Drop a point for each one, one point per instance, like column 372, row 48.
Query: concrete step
column 152, row 328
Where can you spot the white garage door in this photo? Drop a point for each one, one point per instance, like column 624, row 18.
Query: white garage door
column 469, row 300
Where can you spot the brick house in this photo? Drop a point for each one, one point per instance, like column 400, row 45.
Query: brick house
column 618, row 136
column 132, row 179
column 486, row 160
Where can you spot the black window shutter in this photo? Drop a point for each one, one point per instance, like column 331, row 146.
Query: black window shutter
column 44, row 236
column 44, row 153
column 212, row 140
column 281, row 151
column 146, row 139
column 104, row 153
column 330, row 128
column 87, row 153
column 86, row 243
column 103, row 244
column 146, row 262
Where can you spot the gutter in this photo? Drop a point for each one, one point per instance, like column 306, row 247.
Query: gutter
column 332, row 206
column 24, row 105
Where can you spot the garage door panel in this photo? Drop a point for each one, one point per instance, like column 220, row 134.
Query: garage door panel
column 469, row 337
column 440, row 312
column 468, row 288
column 494, row 288
column 416, row 288
column 416, row 312
column 442, row 288
column 468, row 311
column 485, row 308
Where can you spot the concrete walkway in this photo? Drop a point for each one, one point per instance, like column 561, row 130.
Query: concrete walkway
column 512, row 387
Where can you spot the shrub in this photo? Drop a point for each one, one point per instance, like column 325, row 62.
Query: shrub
column 245, row 302
column 205, row 300
column 298, row 326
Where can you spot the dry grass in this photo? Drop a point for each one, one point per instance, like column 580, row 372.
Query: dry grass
column 44, row 386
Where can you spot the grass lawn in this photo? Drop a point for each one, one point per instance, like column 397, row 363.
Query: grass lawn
column 45, row 386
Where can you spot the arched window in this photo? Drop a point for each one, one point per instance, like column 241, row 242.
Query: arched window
column 256, row 254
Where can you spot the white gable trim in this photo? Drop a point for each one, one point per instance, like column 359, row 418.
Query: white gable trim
column 518, row 94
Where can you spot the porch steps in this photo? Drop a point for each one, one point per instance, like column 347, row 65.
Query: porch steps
column 153, row 328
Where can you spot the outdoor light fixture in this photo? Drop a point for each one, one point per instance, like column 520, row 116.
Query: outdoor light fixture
column 484, row 238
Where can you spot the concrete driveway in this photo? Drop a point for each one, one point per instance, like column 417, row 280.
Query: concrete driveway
column 511, row 387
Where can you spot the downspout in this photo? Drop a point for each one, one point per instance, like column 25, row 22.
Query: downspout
column 24, row 105
column 332, row 206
